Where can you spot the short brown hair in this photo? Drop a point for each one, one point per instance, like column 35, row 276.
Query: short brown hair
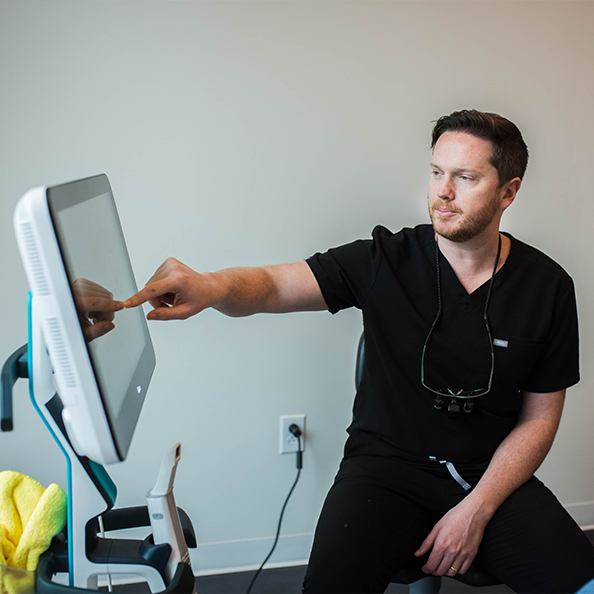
column 509, row 153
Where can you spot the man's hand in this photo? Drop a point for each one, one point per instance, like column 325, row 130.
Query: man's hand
column 455, row 539
column 176, row 292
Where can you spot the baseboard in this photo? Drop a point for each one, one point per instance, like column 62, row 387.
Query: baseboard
column 246, row 555
column 582, row 513
column 293, row 549
column 234, row 556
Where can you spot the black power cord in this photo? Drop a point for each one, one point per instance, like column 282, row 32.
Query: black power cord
column 294, row 429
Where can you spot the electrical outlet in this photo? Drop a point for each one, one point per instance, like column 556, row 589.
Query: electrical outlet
column 287, row 442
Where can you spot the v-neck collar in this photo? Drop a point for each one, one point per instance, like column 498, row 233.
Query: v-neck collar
column 461, row 292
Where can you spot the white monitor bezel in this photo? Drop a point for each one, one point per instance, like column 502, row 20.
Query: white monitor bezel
column 91, row 430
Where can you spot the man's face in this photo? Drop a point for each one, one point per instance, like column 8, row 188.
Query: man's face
column 464, row 194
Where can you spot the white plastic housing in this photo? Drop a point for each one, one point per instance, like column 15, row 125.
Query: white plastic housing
column 84, row 414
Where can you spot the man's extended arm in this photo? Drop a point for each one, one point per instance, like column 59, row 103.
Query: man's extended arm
column 177, row 292
column 455, row 539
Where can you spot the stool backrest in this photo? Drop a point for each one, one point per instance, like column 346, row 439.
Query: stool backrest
column 360, row 363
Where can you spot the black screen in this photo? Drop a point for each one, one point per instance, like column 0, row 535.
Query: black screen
column 100, row 276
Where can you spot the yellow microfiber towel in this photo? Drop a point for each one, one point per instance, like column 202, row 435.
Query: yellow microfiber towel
column 30, row 516
column 16, row 581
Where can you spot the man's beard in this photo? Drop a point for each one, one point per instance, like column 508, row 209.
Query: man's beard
column 468, row 226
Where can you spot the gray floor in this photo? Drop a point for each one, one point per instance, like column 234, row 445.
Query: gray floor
column 289, row 580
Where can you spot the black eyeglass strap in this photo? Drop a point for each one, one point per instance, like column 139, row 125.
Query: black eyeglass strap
column 492, row 278
column 490, row 290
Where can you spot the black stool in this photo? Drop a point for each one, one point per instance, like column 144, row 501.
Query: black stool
column 419, row 582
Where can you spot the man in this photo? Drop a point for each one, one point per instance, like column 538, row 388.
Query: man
column 471, row 342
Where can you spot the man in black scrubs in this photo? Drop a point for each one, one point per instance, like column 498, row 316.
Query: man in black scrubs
column 471, row 342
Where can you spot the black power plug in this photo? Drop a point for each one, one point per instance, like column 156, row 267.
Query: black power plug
column 295, row 430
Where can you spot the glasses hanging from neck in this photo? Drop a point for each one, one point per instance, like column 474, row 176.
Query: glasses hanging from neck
column 459, row 397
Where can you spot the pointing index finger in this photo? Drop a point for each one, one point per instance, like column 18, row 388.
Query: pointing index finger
column 151, row 291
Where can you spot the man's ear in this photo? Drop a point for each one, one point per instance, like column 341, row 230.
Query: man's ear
column 509, row 191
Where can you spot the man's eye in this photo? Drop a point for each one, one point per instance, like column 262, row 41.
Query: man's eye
column 435, row 173
column 466, row 178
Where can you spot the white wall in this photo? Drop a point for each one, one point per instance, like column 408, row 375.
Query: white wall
column 245, row 133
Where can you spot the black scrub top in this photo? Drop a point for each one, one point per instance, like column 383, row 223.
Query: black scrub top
column 392, row 278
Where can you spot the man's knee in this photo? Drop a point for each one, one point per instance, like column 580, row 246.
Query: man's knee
column 533, row 545
column 365, row 534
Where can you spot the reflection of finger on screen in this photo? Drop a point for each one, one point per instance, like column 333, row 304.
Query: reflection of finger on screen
column 97, row 330
column 102, row 316
column 96, row 304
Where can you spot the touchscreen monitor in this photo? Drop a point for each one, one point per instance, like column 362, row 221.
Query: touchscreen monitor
column 79, row 270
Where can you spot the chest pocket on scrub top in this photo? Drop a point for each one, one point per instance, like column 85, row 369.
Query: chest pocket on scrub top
column 515, row 361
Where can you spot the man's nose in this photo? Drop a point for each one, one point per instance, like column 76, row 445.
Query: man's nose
column 445, row 191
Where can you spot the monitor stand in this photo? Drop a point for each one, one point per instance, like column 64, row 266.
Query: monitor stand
column 86, row 553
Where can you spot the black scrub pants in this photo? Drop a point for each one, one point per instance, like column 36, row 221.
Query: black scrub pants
column 379, row 511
